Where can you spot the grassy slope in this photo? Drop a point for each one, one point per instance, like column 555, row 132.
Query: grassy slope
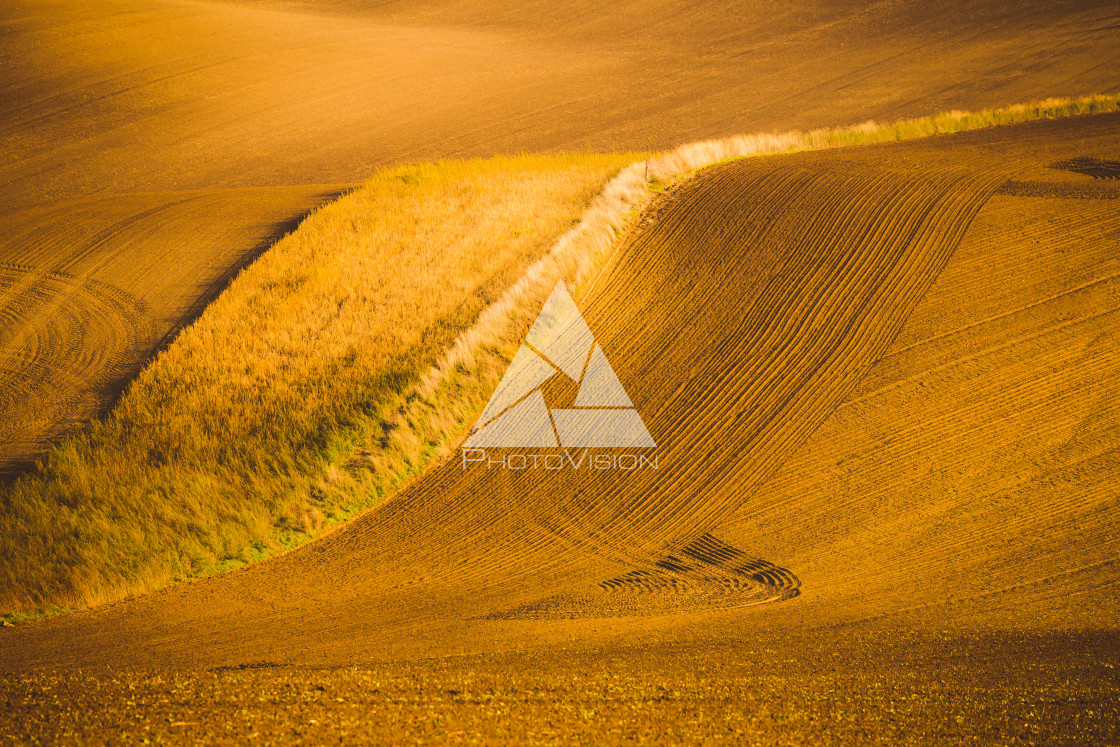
column 227, row 444
column 316, row 383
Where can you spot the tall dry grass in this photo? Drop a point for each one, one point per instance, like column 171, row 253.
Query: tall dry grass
column 346, row 358
column 232, row 442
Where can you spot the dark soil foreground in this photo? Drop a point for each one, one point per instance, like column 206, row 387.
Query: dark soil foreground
column 825, row 687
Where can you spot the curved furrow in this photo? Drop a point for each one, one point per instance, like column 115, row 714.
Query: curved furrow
column 852, row 259
column 978, row 457
column 62, row 341
column 708, row 575
column 89, row 304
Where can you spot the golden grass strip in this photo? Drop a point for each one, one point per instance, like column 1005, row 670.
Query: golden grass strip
column 228, row 445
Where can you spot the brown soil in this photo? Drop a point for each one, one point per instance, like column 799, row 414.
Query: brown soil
column 838, row 688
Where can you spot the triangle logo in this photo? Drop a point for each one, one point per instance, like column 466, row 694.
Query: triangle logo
column 560, row 343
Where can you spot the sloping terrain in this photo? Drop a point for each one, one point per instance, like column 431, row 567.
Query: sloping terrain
column 871, row 382
column 236, row 440
column 970, row 477
column 91, row 286
column 118, row 116
column 266, row 93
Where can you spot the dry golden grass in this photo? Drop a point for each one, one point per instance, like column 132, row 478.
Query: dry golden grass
column 227, row 445
column 343, row 360
column 92, row 287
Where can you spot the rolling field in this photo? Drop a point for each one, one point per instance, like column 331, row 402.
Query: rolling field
column 353, row 353
column 980, row 453
column 879, row 380
column 878, row 362
column 192, row 154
